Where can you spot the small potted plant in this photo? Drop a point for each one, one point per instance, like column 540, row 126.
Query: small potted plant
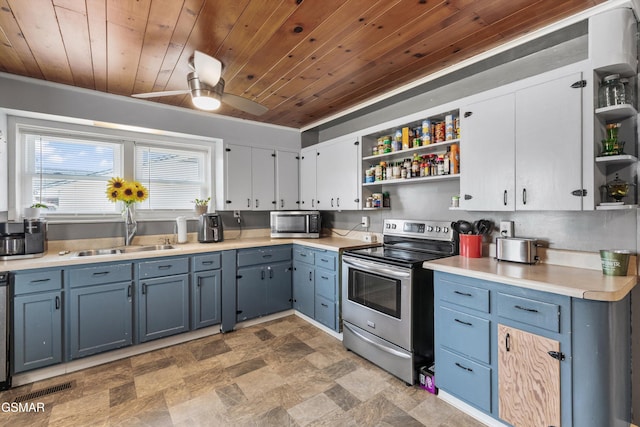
column 34, row 211
column 202, row 205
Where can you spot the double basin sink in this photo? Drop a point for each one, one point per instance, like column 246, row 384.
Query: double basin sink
column 122, row 250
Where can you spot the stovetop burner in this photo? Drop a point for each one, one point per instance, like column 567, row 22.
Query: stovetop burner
column 409, row 243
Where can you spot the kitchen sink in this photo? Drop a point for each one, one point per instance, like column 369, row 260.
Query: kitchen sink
column 122, row 250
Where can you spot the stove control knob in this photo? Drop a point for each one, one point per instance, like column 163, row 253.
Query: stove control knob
column 437, row 228
column 445, row 230
column 393, row 226
column 429, row 228
column 387, row 225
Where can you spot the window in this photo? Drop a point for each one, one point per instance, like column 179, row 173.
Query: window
column 69, row 175
column 67, row 167
column 174, row 177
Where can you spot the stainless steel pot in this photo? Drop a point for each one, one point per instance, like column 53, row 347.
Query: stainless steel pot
column 11, row 245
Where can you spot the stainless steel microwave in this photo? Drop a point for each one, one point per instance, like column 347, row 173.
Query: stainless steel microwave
column 295, row 224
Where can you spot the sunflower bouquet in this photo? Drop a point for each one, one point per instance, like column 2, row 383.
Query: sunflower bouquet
column 128, row 192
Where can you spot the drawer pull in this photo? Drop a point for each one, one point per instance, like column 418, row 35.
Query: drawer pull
column 164, row 267
column 100, row 273
column 267, row 256
column 465, row 294
column 463, row 322
column 41, row 280
column 324, row 260
column 303, row 255
column 463, row 367
column 530, row 310
column 207, row 262
column 324, row 305
column 324, row 277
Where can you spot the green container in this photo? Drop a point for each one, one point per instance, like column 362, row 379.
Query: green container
column 615, row 262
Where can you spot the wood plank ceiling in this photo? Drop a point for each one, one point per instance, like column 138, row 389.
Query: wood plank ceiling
column 303, row 59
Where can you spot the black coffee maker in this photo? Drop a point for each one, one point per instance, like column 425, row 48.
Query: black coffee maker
column 26, row 239
column 210, row 228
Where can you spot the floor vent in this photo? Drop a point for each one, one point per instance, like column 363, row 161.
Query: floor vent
column 44, row 392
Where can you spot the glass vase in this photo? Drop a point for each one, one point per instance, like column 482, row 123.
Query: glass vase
column 130, row 225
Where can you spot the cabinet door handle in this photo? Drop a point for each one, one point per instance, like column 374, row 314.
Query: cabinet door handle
column 270, row 272
column 529, row 310
column 462, row 293
column 144, row 288
column 310, row 275
column 338, row 202
column 507, row 342
column 248, row 203
column 57, row 303
column 282, row 203
column 504, row 197
column 100, row 273
column 463, row 367
column 332, row 202
column 313, row 203
column 198, row 281
column 257, row 203
column 463, row 322
column 524, row 196
column 129, row 291
column 262, row 274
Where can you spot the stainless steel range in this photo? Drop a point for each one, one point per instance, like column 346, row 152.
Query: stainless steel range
column 387, row 297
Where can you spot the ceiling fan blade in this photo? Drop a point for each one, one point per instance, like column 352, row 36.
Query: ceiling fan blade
column 157, row 94
column 244, row 104
column 208, row 68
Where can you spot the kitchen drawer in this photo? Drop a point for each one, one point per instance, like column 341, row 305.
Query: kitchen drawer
column 37, row 281
column 326, row 260
column 207, row 262
column 303, row 255
column 465, row 295
column 326, row 312
column 326, row 284
column 464, row 378
column 99, row 274
column 163, row 267
column 466, row 334
column 532, row 312
column 264, row 255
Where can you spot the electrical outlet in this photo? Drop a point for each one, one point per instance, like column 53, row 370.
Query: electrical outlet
column 236, row 214
column 506, row 228
column 365, row 222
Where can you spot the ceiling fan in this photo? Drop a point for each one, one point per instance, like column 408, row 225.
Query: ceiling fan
column 206, row 87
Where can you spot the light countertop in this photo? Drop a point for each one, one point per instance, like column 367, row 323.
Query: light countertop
column 52, row 258
column 570, row 281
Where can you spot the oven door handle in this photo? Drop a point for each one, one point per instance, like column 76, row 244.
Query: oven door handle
column 377, row 345
column 376, row 268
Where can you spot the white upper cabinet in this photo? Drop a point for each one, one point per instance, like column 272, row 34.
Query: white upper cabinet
column 308, row 178
column 487, row 181
column 549, row 145
column 245, row 178
column 337, row 174
column 287, row 197
column 523, row 150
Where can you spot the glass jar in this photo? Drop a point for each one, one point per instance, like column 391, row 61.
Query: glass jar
column 611, row 92
column 629, row 91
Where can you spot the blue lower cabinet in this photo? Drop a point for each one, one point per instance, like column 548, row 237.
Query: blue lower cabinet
column 279, row 287
column 100, row 318
column 304, row 288
column 163, row 306
column 37, row 330
column 205, row 299
column 251, row 293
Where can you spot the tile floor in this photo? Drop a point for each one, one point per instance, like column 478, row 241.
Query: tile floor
column 285, row 372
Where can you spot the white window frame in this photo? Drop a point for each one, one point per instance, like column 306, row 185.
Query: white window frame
column 103, row 132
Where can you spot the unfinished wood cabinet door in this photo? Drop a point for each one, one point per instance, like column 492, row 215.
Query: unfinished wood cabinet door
column 528, row 378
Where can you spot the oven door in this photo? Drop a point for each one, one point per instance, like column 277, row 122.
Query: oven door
column 377, row 298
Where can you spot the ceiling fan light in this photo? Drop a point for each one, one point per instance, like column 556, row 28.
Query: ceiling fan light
column 205, row 102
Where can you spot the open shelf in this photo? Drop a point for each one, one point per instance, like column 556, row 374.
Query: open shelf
column 412, row 180
column 616, row 112
column 617, row 159
column 614, row 207
column 410, row 151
